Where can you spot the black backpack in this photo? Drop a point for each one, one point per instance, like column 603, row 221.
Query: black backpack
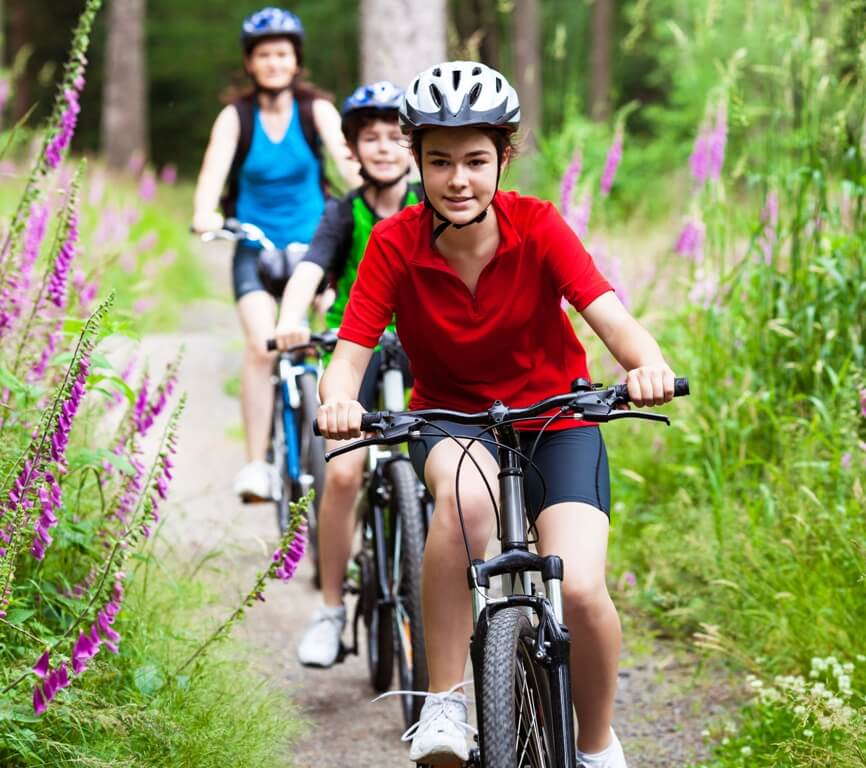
column 244, row 107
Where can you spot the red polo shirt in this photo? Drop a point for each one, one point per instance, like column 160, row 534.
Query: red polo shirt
column 511, row 341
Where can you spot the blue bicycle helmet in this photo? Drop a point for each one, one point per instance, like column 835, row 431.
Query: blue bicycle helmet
column 271, row 22
column 383, row 95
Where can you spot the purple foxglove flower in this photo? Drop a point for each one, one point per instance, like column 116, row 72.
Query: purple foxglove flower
column 4, row 93
column 168, row 174
column 42, row 666
column 863, row 402
column 65, row 130
column 51, row 686
column 578, row 218
column 717, row 140
column 38, row 700
column 569, row 182
column 614, row 156
column 63, row 676
column 691, row 240
column 845, row 461
column 699, row 161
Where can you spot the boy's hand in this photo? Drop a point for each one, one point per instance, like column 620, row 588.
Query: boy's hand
column 290, row 335
column 650, row 385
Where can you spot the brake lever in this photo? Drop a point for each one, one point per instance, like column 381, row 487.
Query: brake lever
column 390, row 434
column 598, row 416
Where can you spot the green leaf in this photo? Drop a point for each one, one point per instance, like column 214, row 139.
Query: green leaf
column 93, row 457
column 148, row 679
column 18, row 616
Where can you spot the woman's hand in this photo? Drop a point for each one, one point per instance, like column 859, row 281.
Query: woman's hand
column 340, row 419
column 207, row 221
column 650, row 385
column 291, row 335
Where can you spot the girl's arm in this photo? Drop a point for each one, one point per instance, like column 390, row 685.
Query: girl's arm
column 339, row 416
column 215, row 170
column 650, row 380
column 327, row 121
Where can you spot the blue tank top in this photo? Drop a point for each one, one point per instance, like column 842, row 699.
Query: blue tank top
column 279, row 188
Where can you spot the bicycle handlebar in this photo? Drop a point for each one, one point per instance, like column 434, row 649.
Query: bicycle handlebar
column 323, row 342
column 233, row 229
column 586, row 402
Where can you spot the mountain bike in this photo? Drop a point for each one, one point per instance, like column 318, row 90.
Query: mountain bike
column 520, row 644
column 394, row 512
column 298, row 453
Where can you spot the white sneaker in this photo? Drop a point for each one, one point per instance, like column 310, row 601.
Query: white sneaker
column 320, row 645
column 610, row 757
column 440, row 733
column 257, row 481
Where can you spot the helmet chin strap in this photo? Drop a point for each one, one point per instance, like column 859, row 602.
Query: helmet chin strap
column 379, row 185
column 440, row 228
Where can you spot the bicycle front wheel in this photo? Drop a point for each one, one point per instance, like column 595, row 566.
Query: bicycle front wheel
column 409, row 631
column 515, row 708
column 312, row 462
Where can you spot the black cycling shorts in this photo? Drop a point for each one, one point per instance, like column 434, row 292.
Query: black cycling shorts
column 368, row 395
column 245, row 272
column 572, row 462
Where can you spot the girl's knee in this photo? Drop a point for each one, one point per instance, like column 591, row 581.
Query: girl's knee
column 585, row 597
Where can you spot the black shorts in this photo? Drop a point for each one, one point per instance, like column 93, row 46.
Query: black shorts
column 368, row 395
column 572, row 462
column 245, row 272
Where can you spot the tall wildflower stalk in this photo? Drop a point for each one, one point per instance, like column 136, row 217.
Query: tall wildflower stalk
column 61, row 126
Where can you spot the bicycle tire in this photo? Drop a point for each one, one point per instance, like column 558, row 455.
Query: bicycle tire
column 408, row 626
column 312, row 450
column 277, row 455
column 380, row 634
column 515, row 707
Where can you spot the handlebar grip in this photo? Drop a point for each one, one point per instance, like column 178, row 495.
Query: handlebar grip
column 368, row 422
column 271, row 344
column 681, row 388
column 316, row 431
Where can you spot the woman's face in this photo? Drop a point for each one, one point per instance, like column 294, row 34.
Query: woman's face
column 272, row 63
column 460, row 171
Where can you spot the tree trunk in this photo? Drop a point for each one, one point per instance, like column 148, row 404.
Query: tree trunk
column 527, row 68
column 20, row 37
column 400, row 38
column 599, row 59
column 124, row 96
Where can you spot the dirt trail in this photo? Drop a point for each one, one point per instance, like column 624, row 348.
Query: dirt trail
column 661, row 712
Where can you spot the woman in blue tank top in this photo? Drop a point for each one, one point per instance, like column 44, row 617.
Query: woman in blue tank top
column 267, row 146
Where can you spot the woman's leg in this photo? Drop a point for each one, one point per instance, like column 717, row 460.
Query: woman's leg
column 337, row 519
column 578, row 532
column 258, row 312
column 446, row 600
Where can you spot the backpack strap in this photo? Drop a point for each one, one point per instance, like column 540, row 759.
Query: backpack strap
column 311, row 134
column 244, row 108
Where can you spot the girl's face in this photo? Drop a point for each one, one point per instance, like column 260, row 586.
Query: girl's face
column 381, row 149
column 272, row 63
column 460, row 171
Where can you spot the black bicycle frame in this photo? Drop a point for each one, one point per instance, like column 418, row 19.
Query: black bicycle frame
column 553, row 641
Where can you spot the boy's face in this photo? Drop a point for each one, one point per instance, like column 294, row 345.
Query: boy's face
column 382, row 150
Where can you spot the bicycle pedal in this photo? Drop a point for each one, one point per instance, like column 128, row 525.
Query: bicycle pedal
column 345, row 651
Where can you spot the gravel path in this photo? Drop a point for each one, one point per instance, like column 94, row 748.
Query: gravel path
column 662, row 706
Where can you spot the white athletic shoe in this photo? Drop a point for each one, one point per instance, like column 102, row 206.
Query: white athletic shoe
column 611, row 757
column 320, row 645
column 257, row 481
column 440, row 733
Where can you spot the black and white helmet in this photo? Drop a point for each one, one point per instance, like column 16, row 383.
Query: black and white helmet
column 457, row 94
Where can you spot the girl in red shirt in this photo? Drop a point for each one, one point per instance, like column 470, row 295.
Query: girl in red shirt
column 475, row 278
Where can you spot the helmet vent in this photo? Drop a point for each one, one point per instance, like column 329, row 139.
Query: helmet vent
column 498, row 84
column 455, row 77
column 435, row 95
column 476, row 71
column 437, row 72
column 474, row 94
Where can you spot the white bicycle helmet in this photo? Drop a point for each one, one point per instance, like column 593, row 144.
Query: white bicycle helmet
column 460, row 93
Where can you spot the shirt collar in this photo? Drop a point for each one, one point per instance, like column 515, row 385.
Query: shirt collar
column 509, row 238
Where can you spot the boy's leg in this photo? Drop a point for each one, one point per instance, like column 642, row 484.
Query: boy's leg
column 578, row 533
column 343, row 477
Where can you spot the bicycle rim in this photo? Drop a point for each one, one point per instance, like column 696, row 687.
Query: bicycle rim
column 278, row 451
column 515, row 705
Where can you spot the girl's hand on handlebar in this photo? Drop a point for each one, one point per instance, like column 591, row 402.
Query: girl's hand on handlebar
column 340, row 419
column 290, row 335
column 650, row 385
column 207, row 221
